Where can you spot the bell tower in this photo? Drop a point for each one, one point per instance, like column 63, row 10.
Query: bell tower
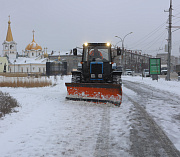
column 9, row 46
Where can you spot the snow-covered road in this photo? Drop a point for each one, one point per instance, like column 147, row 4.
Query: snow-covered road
column 156, row 130
column 49, row 125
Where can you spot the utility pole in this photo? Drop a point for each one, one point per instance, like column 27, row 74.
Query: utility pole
column 169, row 42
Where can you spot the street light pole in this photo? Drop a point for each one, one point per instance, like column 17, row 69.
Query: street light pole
column 122, row 40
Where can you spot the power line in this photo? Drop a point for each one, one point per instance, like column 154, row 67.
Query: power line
column 177, row 6
column 148, row 35
column 155, row 40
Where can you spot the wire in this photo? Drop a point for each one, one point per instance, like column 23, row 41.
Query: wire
column 148, row 36
column 155, row 40
column 177, row 6
column 176, row 43
column 175, row 30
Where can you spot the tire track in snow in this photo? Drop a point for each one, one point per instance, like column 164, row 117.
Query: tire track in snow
column 102, row 144
column 147, row 137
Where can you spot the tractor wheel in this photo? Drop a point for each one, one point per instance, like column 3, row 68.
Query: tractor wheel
column 76, row 78
column 117, row 79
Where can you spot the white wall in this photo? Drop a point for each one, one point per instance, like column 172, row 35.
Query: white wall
column 28, row 68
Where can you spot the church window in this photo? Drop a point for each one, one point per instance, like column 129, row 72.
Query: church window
column 11, row 46
column 32, row 54
column 39, row 69
column 22, row 70
column 27, row 70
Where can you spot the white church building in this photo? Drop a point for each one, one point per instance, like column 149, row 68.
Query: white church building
column 32, row 61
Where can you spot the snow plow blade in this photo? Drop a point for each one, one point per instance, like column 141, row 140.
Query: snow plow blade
column 95, row 92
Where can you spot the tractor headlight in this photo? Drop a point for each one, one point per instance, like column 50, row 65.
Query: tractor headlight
column 99, row 75
column 92, row 75
column 108, row 44
column 85, row 44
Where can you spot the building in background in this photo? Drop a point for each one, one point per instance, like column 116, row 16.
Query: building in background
column 164, row 60
column 32, row 61
column 4, row 65
column 132, row 59
column 9, row 45
column 72, row 60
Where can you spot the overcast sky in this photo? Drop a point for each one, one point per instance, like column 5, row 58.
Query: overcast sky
column 61, row 25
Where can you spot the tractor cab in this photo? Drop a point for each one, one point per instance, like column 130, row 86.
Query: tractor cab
column 96, row 62
column 96, row 52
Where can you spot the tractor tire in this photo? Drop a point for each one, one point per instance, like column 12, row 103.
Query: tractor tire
column 117, row 79
column 76, row 78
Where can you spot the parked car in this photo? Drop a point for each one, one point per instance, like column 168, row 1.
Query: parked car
column 164, row 71
column 145, row 73
column 129, row 72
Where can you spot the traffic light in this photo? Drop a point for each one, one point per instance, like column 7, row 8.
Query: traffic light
column 118, row 51
column 75, row 51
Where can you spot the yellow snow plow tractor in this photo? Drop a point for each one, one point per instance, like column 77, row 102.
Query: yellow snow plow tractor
column 96, row 80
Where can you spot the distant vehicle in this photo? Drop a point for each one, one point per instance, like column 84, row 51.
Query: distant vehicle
column 145, row 73
column 128, row 72
column 163, row 69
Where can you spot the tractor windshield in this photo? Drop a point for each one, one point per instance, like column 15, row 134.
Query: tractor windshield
column 99, row 53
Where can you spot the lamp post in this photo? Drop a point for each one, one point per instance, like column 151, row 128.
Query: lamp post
column 122, row 40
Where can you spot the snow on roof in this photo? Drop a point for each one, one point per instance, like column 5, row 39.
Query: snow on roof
column 55, row 53
column 24, row 60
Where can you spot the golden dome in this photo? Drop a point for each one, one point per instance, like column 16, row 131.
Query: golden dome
column 33, row 45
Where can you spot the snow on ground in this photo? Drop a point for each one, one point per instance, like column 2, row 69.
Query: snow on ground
column 161, row 84
column 49, row 125
column 165, row 112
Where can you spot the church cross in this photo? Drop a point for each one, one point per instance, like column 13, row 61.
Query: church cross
column 33, row 34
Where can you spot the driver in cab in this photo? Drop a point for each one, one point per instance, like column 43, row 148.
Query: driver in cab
column 95, row 55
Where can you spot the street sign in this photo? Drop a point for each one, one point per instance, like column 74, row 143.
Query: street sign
column 155, row 66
